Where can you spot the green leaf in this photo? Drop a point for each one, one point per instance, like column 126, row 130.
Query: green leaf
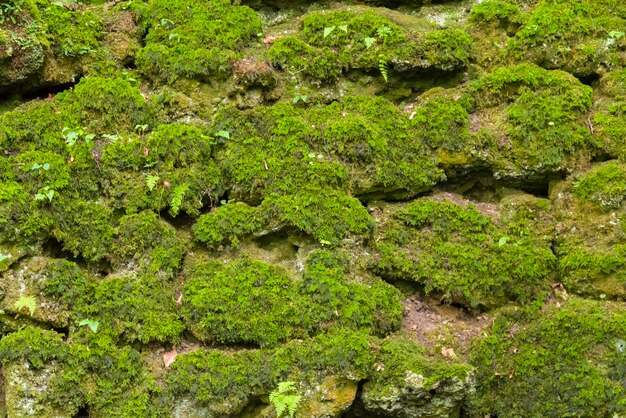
column 28, row 302
column 616, row 34
column 46, row 166
column 503, row 241
column 369, row 42
column 328, row 30
column 177, row 198
column 296, row 99
column 71, row 137
column 151, row 181
column 4, row 257
column 113, row 138
column 35, row 167
column 304, row 97
column 93, row 325
column 344, row 28
column 223, row 134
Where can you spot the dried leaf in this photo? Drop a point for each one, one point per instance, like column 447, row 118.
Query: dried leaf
column 169, row 357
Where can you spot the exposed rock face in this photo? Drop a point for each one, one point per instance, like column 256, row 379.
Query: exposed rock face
column 216, row 208
column 414, row 397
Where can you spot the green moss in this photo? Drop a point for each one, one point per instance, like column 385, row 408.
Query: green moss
column 461, row 254
column 150, row 242
column 604, row 186
column 227, row 381
column 405, row 371
column 333, row 41
column 71, row 33
column 35, row 345
column 251, row 302
column 294, row 55
column 446, row 49
column 175, row 156
column 360, row 143
column 328, row 215
column 196, row 39
column 610, row 108
column 567, row 359
column 227, row 225
column 495, row 10
column 128, row 307
column 93, row 371
column 570, row 35
column 442, row 122
column 83, row 227
column 105, row 105
column 534, row 119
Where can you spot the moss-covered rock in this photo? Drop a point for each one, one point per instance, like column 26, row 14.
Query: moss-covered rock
column 27, row 282
column 411, row 383
column 590, row 238
column 461, row 254
column 360, row 143
column 196, row 39
column 247, row 301
column 565, row 359
column 331, row 42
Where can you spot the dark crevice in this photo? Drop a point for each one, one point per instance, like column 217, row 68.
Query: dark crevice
column 589, row 79
column 82, row 412
column 357, row 409
column 48, row 91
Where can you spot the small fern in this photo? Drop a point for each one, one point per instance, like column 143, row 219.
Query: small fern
column 28, row 302
column 177, row 198
column 383, row 67
column 285, row 400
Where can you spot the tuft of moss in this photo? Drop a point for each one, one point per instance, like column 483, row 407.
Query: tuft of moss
column 604, row 186
column 248, row 301
column 195, row 39
column 227, row 224
column 565, row 359
column 462, row 255
column 360, row 143
column 149, row 242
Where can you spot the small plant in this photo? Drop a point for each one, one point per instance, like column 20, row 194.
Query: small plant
column 37, row 166
column 223, row 134
column 72, row 135
column 383, row 33
column 382, row 66
column 93, row 325
column 369, row 42
column 302, row 98
column 330, row 29
column 45, row 192
column 9, row 9
column 177, row 198
column 151, row 181
column 4, row 257
column 27, row 302
column 141, row 129
column 285, row 400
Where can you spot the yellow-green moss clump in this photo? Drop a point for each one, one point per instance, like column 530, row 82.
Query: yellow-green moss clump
column 360, row 143
column 196, row 39
column 90, row 370
column 565, row 359
column 336, row 41
column 461, row 254
column 247, row 301
column 591, row 241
